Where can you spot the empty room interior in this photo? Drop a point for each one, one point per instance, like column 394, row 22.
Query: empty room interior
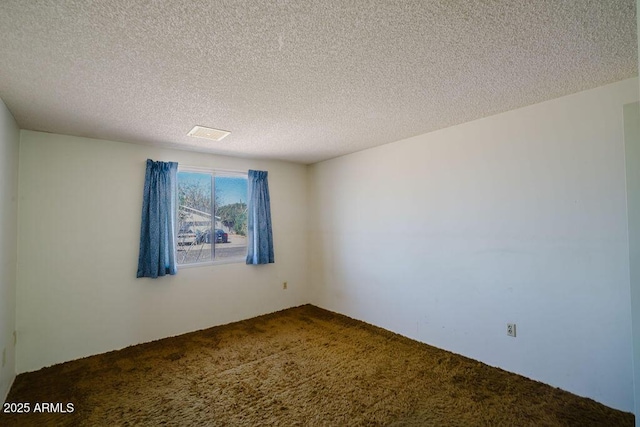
column 459, row 178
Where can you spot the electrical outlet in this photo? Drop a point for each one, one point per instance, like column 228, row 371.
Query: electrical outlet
column 511, row 329
column 15, row 337
column 284, row 285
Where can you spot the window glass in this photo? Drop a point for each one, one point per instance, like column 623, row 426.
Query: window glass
column 212, row 217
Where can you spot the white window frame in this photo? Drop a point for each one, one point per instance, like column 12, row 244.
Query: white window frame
column 214, row 172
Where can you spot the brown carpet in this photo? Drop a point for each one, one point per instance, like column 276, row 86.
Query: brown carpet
column 303, row 366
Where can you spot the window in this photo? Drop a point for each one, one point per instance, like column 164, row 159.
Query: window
column 212, row 217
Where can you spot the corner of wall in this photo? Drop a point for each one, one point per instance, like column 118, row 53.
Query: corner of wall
column 9, row 147
column 308, row 245
column 312, row 236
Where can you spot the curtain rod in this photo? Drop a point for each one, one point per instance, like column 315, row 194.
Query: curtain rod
column 211, row 169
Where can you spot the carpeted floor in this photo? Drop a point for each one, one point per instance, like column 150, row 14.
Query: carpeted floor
column 303, row 366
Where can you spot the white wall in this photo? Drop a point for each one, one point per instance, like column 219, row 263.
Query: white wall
column 632, row 158
column 9, row 140
column 80, row 208
column 520, row 217
column 635, row 291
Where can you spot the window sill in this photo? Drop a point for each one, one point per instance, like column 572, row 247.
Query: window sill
column 217, row 262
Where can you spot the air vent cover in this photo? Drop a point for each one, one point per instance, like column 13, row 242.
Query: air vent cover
column 208, row 133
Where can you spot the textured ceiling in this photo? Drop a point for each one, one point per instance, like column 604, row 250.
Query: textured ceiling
column 298, row 80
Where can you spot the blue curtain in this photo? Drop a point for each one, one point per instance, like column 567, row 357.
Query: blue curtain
column 158, row 230
column 260, row 247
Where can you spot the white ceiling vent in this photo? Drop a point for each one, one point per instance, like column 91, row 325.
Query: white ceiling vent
column 208, row 133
